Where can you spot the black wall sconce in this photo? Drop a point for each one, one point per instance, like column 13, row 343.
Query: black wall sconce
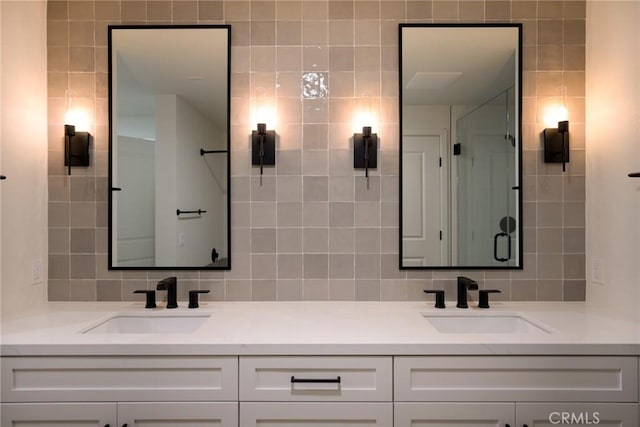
column 76, row 147
column 263, row 147
column 556, row 144
column 365, row 150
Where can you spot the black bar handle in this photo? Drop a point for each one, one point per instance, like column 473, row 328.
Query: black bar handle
column 116, row 189
column 2, row 177
column 495, row 247
column 203, row 151
column 319, row 381
column 199, row 212
column 634, row 175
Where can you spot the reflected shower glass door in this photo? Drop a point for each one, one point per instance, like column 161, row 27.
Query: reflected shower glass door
column 487, row 202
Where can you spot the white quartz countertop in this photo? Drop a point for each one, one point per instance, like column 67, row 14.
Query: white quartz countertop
column 320, row 328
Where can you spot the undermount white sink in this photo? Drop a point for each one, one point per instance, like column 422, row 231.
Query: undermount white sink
column 499, row 323
column 148, row 324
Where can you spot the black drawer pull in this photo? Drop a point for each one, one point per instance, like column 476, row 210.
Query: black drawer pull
column 320, row 380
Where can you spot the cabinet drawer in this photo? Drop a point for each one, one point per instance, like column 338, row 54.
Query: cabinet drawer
column 454, row 414
column 86, row 379
column 185, row 414
column 58, row 414
column 300, row 414
column 505, row 378
column 316, row 379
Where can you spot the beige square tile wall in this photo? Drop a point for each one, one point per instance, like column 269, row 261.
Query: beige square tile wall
column 313, row 231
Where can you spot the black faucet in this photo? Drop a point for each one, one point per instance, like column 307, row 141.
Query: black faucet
column 465, row 283
column 169, row 284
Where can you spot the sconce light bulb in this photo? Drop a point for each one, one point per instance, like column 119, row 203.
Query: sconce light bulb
column 555, row 114
column 78, row 118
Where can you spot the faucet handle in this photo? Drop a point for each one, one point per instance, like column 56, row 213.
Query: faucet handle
column 483, row 299
column 439, row 297
column 193, row 298
column 151, row 298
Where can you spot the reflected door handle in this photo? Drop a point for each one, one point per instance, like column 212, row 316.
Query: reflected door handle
column 495, row 247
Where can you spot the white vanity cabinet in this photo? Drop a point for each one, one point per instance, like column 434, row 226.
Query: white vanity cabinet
column 316, row 391
column 176, row 391
column 515, row 390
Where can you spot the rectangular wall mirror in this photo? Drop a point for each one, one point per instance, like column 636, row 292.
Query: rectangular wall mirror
column 460, row 146
column 169, row 159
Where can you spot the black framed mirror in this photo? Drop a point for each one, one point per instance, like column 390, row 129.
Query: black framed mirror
column 460, row 146
column 169, row 147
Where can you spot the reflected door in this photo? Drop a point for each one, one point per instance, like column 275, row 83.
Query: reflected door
column 424, row 195
column 486, row 194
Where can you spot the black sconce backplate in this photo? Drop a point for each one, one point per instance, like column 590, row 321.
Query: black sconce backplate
column 269, row 148
column 79, row 145
column 359, row 150
column 553, row 150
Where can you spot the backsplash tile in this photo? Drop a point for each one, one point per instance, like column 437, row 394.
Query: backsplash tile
column 312, row 228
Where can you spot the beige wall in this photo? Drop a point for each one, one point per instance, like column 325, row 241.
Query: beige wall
column 23, row 136
column 613, row 114
column 313, row 231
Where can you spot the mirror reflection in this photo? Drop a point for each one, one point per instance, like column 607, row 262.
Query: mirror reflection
column 169, row 147
column 460, row 146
